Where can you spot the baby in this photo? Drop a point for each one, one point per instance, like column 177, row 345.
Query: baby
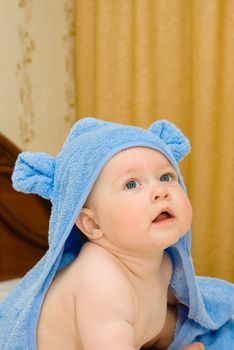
column 115, row 295
column 118, row 272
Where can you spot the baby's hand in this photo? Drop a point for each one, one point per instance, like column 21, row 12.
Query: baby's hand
column 194, row 346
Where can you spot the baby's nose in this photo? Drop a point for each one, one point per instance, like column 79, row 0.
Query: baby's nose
column 161, row 192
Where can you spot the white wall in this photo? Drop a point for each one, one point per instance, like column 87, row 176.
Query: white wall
column 37, row 80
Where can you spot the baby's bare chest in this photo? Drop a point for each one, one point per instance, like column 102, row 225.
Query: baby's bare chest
column 150, row 313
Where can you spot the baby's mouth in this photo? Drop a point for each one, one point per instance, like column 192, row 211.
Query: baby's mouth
column 163, row 216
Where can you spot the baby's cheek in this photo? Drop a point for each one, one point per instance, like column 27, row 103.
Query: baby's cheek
column 130, row 216
column 188, row 211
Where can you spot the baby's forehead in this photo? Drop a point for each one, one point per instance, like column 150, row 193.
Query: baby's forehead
column 127, row 162
column 131, row 159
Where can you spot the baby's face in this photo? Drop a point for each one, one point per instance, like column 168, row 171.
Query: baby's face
column 138, row 201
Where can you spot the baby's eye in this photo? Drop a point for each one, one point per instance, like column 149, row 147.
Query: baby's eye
column 166, row 178
column 131, row 184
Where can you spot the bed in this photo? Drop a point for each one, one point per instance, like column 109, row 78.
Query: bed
column 23, row 223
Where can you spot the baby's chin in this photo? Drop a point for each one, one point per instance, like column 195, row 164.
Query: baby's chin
column 166, row 239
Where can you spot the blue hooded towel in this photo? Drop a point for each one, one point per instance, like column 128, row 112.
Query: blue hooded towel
column 207, row 304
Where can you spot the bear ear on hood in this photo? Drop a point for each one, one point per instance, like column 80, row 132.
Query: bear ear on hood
column 172, row 137
column 34, row 173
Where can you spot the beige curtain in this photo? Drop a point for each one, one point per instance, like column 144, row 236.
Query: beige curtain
column 141, row 60
column 37, row 84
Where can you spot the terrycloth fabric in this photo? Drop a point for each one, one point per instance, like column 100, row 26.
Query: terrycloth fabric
column 208, row 304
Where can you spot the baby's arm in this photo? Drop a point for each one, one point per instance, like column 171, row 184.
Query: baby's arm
column 104, row 310
column 171, row 299
column 168, row 331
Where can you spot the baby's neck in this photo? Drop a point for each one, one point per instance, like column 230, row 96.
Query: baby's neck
column 144, row 267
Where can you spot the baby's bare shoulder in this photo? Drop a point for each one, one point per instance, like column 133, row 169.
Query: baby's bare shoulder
column 101, row 283
column 97, row 265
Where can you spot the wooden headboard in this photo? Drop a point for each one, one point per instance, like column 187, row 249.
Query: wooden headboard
column 24, row 220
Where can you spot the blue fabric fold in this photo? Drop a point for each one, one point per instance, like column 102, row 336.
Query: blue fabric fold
column 214, row 321
column 207, row 305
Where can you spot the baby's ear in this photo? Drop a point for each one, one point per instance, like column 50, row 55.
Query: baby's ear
column 87, row 224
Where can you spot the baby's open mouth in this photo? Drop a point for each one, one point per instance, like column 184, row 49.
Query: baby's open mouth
column 164, row 215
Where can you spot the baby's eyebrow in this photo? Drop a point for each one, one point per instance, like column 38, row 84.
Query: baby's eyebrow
column 133, row 169
column 128, row 171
